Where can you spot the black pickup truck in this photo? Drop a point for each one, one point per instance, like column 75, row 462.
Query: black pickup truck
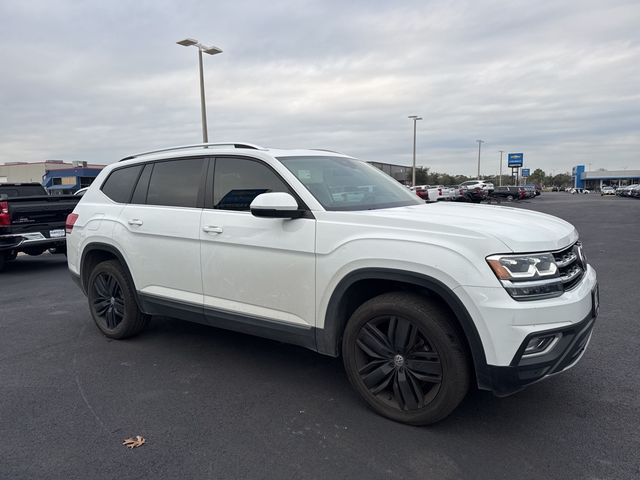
column 32, row 221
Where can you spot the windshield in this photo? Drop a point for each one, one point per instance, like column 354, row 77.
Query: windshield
column 340, row 183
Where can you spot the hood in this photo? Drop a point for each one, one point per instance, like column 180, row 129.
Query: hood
column 521, row 231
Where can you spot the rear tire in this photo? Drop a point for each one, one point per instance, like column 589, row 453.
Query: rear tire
column 509, row 198
column 112, row 301
column 404, row 356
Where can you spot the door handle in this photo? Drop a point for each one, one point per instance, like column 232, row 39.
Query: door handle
column 136, row 222
column 212, row 229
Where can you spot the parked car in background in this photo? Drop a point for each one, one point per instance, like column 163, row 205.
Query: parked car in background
column 430, row 193
column 536, row 187
column 509, row 193
column 487, row 186
column 456, row 193
column 627, row 190
column 579, row 190
column 608, row 191
column 529, row 190
column 475, row 194
column 31, row 221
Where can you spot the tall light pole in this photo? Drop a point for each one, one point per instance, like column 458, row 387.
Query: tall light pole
column 415, row 119
column 501, row 152
column 188, row 42
column 480, row 142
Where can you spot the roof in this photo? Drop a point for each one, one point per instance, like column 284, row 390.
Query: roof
column 227, row 148
column 613, row 174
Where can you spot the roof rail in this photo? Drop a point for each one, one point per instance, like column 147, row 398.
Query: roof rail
column 249, row 146
column 325, row 150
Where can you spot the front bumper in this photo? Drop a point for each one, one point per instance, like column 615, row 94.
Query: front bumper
column 525, row 370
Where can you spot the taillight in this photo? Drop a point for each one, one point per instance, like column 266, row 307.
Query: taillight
column 439, row 191
column 71, row 221
column 5, row 218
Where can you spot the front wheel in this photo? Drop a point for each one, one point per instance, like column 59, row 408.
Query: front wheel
column 112, row 301
column 510, row 198
column 404, row 356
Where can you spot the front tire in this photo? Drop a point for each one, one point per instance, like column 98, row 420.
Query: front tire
column 112, row 301
column 405, row 357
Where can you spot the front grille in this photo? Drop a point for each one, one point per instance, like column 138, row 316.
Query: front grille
column 571, row 265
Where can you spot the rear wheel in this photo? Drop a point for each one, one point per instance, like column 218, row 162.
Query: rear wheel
column 406, row 359
column 113, row 303
column 510, row 198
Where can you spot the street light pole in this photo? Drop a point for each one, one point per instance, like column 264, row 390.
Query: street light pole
column 415, row 119
column 203, row 104
column 500, row 181
column 188, row 42
column 480, row 142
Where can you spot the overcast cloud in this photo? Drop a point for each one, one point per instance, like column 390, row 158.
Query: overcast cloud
column 556, row 80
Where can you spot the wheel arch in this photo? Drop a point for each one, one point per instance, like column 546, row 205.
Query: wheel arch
column 363, row 284
column 95, row 253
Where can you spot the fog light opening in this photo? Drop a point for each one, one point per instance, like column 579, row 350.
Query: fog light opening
column 539, row 345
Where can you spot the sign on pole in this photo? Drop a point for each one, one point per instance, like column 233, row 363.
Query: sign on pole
column 526, row 172
column 515, row 160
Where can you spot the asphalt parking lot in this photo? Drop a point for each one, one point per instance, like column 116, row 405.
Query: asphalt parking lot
column 216, row 404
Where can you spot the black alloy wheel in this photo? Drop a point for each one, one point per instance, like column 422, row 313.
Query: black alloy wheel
column 397, row 363
column 112, row 301
column 406, row 356
column 108, row 301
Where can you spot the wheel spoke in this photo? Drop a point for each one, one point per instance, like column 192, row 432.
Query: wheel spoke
column 405, row 395
column 401, row 334
column 425, row 366
column 373, row 342
column 378, row 378
column 101, row 286
column 110, row 318
column 101, row 305
column 111, row 285
column 119, row 306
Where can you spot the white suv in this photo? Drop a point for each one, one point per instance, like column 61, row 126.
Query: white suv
column 487, row 186
column 319, row 249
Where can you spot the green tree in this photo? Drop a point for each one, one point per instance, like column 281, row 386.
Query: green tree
column 562, row 180
column 538, row 176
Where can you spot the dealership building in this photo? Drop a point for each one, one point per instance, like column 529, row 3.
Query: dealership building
column 57, row 176
column 595, row 180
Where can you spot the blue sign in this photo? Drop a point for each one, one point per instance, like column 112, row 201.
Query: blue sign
column 515, row 160
column 526, row 172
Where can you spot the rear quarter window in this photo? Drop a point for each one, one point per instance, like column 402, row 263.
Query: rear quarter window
column 119, row 185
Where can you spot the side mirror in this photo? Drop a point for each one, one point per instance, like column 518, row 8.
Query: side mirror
column 275, row 205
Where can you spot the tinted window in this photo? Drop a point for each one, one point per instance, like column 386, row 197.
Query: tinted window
column 340, row 183
column 120, row 183
column 175, row 183
column 22, row 190
column 238, row 181
column 140, row 193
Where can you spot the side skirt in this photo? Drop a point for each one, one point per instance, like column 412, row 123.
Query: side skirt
column 257, row 326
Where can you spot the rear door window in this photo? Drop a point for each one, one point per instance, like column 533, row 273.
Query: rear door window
column 176, row 183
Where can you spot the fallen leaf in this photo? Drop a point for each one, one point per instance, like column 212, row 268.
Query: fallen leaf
column 133, row 442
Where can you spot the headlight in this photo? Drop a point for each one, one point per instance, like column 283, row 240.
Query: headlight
column 528, row 277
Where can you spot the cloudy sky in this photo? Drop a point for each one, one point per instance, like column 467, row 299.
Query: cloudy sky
column 557, row 80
